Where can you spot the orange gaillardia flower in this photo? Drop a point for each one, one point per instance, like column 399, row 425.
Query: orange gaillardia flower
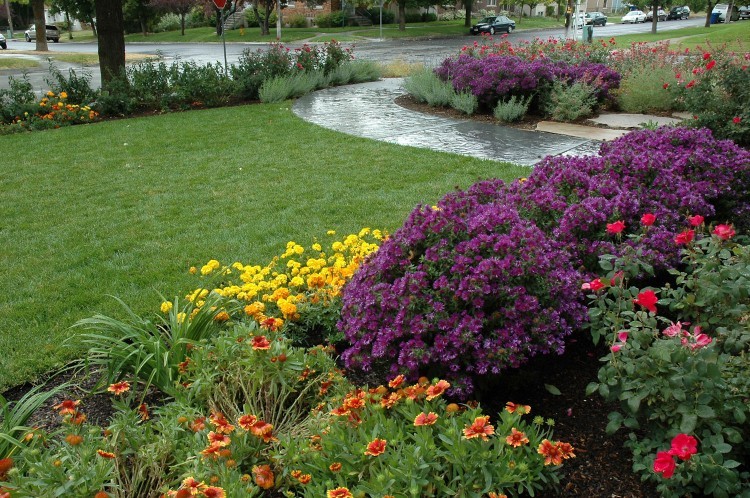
column 261, row 428
column 335, row 467
column 101, row 494
column 497, row 495
column 105, row 454
column 438, row 389
column 480, row 428
column 555, row 453
column 73, row 439
column 214, row 492
column 396, row 382
column 192, row 485
column 511, row 407
column 261, row 343
column 67, row 407
column 263, row 476
column 221, row 423
column 339, row 493
column 119, row 387
column 516, row 438
column 246, row 422
column 217, row 439
column 5, row 465
column 425, row 419
column 376, row 447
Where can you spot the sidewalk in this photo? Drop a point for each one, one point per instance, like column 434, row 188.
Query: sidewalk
column 368, row 110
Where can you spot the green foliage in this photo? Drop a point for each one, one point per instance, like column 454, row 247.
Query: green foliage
column 281, row 88
column 642, row 90
column 151, row 352
column 465, row 102
column 297, row 21
column 568, row 102
column 512, row 109
column 330, row 20
column 14, row 433
column 689, row 377
column 168, row 22
column 77, row 87
column 17, row 99
column 252, row 21
column 425, row 86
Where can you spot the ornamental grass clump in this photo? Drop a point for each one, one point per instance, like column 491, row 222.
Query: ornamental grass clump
column 465, row 289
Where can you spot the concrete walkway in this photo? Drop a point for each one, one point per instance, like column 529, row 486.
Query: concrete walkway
column 368, row 110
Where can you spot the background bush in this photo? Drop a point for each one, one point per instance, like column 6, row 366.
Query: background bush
column 569, row 102
column 512, row 109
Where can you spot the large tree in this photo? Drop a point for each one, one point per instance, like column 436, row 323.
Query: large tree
column 83, row 10
column 40, row 24
column 111, row 38
column 468, row 5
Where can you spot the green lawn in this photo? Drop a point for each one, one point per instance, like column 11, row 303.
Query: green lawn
column 124, row 208
column 734, row 35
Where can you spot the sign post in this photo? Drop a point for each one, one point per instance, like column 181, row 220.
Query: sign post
column 220, row 4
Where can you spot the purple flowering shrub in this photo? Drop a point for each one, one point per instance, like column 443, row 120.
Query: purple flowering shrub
column 493, row 77
column 463, row 290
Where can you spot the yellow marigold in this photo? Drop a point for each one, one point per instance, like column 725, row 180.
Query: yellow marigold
column 63, row 95
column 209, row 267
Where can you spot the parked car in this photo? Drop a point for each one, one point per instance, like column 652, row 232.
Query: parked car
column 53, row 34
column 633, row 17
column 661, row 15
column 744, row 12
column 678, row 13
column 493, row 24
column 596, row 19
column 3, row 43
column 722, row 9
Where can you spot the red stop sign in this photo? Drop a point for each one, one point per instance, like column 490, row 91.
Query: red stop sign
column 220, row 4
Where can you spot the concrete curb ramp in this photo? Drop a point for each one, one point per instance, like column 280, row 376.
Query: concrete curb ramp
column 580, row 131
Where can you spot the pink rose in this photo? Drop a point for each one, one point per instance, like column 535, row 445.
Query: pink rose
column 622, row 336
column 616, row 227
column 673, row 330
column 664, row 464
column 648, row 300
column 724, row 232
column 683, row 447
column 596, row 285
column 648, row 219
column 701, row 341
column 615, row 348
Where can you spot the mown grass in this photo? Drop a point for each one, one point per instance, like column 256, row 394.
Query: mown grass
column 17, row 63
column 124, row 208
column 733, row 35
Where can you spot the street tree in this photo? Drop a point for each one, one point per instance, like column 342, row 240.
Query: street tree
column 111, row 38
column 403, row 4
column 180, row 7
column 83, row 10
column 40, row 24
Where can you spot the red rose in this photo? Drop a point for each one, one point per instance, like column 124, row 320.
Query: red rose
column 736, row 120
column 647, row 299
column 710, row 65
column 648, row 219
column 685, row 237
column 696, row 220
column 683, row 447
column 664, row 464
column 616, row 227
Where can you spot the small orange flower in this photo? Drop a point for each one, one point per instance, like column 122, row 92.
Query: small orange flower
column 101, row 494
column 263, row 476
column 511, row 407
column 353, row 403
column 198, row 424
column 480, row 428
column 214, row 492
column 192, row 485
column 218, row 439
column 73, row 439
column 335, row 467
column 105, row 454
column 77, row 418
column 119, row 388
column 497, row 495
column 212, row 451
column 516, row 438
column 5, row 465
column 261, row 343
column 261, row 428
column 436, row 390
column 552, row 452
column 339, row 493
column 221, row 316
column 425, row 419
column 246, row 421
column 376, row 447
column 340, row 412
column 67, row 407
column 452, row 408
column 143, row 411
column 221, row 423
column 396, row 382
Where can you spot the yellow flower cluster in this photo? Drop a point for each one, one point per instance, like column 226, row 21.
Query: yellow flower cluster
column 274, row 293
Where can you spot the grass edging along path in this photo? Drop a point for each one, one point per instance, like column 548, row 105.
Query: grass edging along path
column 124, row 208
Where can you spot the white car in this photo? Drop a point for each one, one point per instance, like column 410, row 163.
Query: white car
column 633, row 17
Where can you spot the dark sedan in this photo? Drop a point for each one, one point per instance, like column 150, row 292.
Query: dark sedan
column 493, row 24
column 596, row 19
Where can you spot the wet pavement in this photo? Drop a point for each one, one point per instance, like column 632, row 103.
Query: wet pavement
column 368, row 110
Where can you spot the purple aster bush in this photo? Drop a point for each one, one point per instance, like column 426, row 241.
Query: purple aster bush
column 463, row 290
column 494, row 76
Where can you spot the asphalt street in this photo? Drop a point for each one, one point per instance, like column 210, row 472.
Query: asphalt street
column 429, row 52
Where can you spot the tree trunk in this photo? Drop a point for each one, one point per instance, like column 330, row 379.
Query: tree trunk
column 468, row 5
column 10, row 17
column 41, row 25
column 70, row 25
column 402, row 15
column 182, row 23
column 144, row 26
column 709, row 8
column 111, row 37
column 654, row 18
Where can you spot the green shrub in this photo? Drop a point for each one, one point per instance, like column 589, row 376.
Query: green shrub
column 18, row 99
column 254, row 22
column 373, row 14
column 168, row 22
column 331, row 20
column 77, row 87
column 297, row 21
column 512, row 110
column 425, row 86
column 681, row 367
column 568, row 102
column 278, row 88
column 363, row 70
column 642, row 90
column 464, row 102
